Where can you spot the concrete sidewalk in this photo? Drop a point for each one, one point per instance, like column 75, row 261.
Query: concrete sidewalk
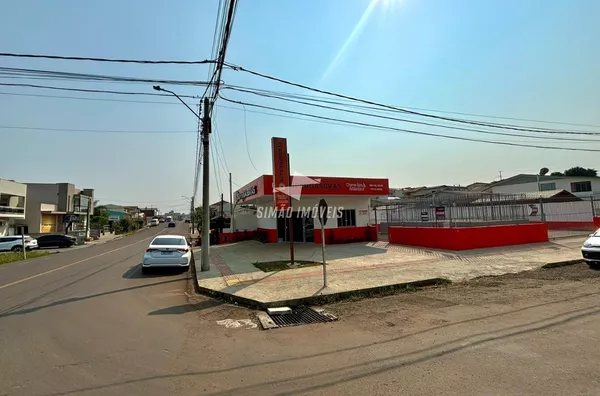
column 360, row 267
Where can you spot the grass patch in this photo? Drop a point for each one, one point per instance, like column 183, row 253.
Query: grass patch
column 271, row 266
column 11, row 257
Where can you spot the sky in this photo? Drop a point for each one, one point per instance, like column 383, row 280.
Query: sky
column 534, row 60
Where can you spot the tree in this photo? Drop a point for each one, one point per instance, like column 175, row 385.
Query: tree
column 580, row 171
column 556, row 174
column 197, row 217
column 100, row 216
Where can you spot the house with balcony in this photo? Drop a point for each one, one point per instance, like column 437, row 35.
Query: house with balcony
column 58, row 208
column 13, row 197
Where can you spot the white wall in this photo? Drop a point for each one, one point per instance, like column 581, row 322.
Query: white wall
column 245, row 221
column 561, row 184
column 360, row 204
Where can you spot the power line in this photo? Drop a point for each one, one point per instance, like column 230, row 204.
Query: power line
column 403, row 110
column 93, row 130
column 382, row 127
column 349, row 103
column 217, row 174
column 12, row 72
column 90, row 90
column 426, row 123
column 111, row 60
column 247, row 145
column 223, row 49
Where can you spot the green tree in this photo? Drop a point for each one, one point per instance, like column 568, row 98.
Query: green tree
column 556, row 174
column 100, row 216
column 580, row 171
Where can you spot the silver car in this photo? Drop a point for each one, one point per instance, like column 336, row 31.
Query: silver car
column 167, row 251
column 591, row 249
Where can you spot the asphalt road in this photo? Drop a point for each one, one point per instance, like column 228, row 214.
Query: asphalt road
column 86, row 322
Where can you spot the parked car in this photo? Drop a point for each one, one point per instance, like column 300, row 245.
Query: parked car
column 171, row 251
column 56, row 240
column 591, row 249
column 171, row 224
column 14, row 243
column 154, row 222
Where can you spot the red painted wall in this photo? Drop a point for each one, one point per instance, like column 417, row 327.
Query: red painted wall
column 228, row 237
column 470, row 237
column 271, row 234
column 347, row 235
column 597, row 222
column 570, row 225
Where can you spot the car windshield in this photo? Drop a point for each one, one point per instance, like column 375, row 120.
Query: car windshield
column 168, row 241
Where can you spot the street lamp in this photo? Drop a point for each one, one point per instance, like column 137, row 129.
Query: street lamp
column 158, row 88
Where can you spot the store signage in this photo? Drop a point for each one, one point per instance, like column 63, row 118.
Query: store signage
column 70, row 218
column 243, row 194
column 440, row 212
column 344, row 186
column 281, row 172
column 424, row 216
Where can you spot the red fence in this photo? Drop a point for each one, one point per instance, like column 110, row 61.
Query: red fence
column 469, row 237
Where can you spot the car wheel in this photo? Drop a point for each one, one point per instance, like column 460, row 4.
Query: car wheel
column 594, row 264
column 145, row 270
column 17, row 248
column 185, row 269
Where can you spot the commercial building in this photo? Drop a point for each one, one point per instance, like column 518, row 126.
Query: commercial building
column 13, row 198
column 57, row 208
column 350, row 218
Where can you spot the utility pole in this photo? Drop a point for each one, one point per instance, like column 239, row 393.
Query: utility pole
column 206, row 125
column 231, row 210
column 192, row 214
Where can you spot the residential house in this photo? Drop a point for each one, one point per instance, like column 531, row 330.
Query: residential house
column 13, row 198
column 580, row 186
column 57, row 208
column 218, row 207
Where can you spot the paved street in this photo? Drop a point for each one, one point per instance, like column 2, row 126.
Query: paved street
column 85, row 322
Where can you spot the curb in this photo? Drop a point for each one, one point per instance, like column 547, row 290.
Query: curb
column 324, row 298
column 565, row 263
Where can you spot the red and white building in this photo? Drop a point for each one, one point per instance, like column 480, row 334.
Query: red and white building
column 350, row 219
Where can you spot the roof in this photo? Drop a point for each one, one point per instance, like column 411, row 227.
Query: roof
column 529, row 196
column 532, row 178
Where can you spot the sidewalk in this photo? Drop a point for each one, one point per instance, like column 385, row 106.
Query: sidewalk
column 361, row 266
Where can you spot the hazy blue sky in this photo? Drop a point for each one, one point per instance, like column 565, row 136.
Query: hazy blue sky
column 535, row 59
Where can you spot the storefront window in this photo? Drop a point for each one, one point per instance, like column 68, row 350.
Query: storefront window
column 347, row 219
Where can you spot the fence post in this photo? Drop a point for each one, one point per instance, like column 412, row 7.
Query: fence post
column 542, row 215
column 593, row 208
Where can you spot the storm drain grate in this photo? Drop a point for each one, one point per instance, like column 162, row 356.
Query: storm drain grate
column 301, row 316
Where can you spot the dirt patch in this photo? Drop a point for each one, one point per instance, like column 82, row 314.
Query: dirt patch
column 442, row 303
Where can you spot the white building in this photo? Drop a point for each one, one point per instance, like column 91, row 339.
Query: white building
column 523, row 183
column 350, row 216
column 13, row 197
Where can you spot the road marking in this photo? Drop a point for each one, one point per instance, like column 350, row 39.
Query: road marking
column 236, row 324
column 76, row 262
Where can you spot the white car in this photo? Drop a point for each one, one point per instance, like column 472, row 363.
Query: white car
column 591, row 249
column 14, row 243
column 154, row 222
column 167, row 251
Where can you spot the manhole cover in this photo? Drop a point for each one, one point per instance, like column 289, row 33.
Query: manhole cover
column 301, row 316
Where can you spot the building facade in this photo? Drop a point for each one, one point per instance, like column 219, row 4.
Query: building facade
column 57, row 208
column 13, row 201
column 524, row 183
column 350, row 217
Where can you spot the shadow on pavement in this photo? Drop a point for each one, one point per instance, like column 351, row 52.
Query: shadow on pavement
column 135, row 272
column 76, row 299
column 181, row 309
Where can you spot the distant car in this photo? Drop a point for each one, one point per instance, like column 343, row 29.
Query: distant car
column 161, row 220
column 14, row 243
column 591, row 249
column 154, row 222
column 57, row 240
column 171, row 224
column 187, row 220
column 167, row 251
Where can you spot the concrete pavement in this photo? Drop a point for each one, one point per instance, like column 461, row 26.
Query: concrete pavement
column 361, row 267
